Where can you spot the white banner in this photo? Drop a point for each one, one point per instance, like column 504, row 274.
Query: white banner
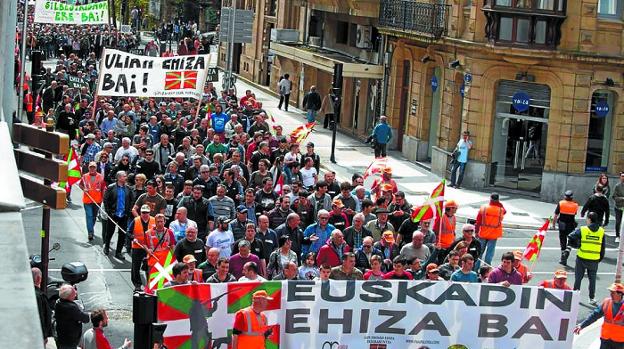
column 126, row 74
column 60, row 13
column 379, row 314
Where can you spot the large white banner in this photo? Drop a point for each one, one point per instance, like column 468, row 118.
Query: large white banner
column 126, row 74
column 376, row 315
column 60, row 13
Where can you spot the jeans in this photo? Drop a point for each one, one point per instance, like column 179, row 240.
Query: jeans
column 91, row 212
column 462, row 167
column 609, row 344
column 579, row 273
column 283, row 100
column 487, row 248
column 618, row 221
column 311, row 115
column 380, row 150
column 110, row 231
column 137, row 255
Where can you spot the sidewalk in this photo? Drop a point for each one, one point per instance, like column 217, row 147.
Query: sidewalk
column 352, row 155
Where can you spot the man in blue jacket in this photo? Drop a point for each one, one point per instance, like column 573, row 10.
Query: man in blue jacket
column 381, row 136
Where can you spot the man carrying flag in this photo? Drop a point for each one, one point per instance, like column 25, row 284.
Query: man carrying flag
column 432, row 207
column 73, row 172
column 375, row 167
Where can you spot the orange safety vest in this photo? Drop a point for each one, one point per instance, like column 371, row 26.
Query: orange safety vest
column 28, row 100
column 447, row 231
column 168, row 241
column 491, row 222
column 253, row 336
column 138, row 232
column 568, row 207
column 196, row 276
column 613, row 326
column 551, row 284
column 93, row 188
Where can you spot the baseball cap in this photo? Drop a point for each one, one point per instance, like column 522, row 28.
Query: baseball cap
column 241, row 209
column 222, row 219
column 616, row 287
column 569, row 193
column 561, row 274
column 92, row 164
column 310, row 144
column 432, row 268
column 387, row 170
column 381, row 210
column 517, row 255
column 451, row 203
column 468, row 228
column 388, row 236
column 262, row 294
column 90, row 136
column 338, row 203
column 494, row 196
column 146, row 208
column 244, row 243
column 386, row 187
column 189, row 258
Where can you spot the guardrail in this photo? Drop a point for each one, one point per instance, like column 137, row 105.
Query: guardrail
column 413, row 16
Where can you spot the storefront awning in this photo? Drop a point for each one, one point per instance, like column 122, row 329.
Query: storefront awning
column 325, row 60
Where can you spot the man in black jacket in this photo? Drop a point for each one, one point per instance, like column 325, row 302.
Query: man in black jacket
column 69, row 319
column 599, row 204
column 312, row 103
column 199, row 210
column 118, row 211
column 45, row 313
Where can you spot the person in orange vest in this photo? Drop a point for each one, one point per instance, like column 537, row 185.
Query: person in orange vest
column 138, row 229
column 250, row 324
column 93, row 186
column 489, row 226
column 29, row 103
column 521, row 268
column 612, row 309
column 559, row 282
column 194, row 274
column 565, row 216
column 386, row 178
column 444, row 229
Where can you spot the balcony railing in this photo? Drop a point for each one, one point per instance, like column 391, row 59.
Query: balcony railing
column 413, row 16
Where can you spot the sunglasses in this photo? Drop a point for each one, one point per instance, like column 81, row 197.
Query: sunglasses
column 323, row 217
column 367, row 246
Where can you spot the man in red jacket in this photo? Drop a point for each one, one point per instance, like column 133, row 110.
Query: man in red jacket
column 331, row 253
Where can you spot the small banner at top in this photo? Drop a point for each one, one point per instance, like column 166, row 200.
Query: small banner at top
column 60, row 13
column 127, row 75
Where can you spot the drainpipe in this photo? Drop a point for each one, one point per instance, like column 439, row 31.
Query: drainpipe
column 386, row 59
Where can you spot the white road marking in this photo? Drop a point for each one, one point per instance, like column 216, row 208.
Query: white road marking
column 544, row 248
column 103, row 270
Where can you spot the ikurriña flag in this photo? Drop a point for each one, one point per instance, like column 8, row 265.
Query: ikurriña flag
column 532, row 251
column 180, row 80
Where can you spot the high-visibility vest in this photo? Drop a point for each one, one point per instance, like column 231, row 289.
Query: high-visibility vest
column 196, row 275
column 591, row 244
column 447, row 231
column 568, row 207
column 28, row 100
column 93, row 188
column 138, row 232
column 168, row 240
column 491, row 222
column 613, row 326
column 256, row 325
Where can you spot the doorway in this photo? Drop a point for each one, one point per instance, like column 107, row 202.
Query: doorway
column 520, row 136
column 404, row 95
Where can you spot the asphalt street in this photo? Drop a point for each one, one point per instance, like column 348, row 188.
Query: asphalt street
column 109, row 286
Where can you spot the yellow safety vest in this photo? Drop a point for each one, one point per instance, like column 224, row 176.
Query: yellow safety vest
column 591, row 244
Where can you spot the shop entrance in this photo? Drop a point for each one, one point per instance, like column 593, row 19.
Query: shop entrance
column 520, row 135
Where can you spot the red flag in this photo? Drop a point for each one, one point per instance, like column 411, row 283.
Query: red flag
column 376, row 166
column 532, row 251
column 433, row 206
column 161, row 269
column 179, row 80
column 299, row 134
column 74, row 172
column 279, row 185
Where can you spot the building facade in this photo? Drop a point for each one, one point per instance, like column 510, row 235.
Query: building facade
column 537, row 83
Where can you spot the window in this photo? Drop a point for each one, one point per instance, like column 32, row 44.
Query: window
column 342, row 32
column 608, row 8
column 599, row 134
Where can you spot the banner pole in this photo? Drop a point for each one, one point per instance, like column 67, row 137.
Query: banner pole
column 20, row 99
column 97, row 85
column 620, row 257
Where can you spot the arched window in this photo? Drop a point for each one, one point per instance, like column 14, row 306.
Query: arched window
column 599, row 134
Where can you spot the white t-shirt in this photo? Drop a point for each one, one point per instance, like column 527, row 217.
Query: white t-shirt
column 307, row 176
column 258, row 278
column 222, row 240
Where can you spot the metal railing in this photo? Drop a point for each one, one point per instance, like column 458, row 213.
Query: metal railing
column 413, row 16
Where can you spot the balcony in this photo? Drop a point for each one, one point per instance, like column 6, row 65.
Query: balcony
column 401, row 17
column 520, row 23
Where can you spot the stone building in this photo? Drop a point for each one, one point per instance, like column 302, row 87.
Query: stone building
column 537, row 84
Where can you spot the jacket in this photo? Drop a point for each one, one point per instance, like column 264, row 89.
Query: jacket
column 349, row 236
column 162, row 154
column 618, row 196
column 361, row 260
column 382, row 133
column 574, row 239
column 598, row 204
column 312, row 100
column 110, row 200
column 199, row 211
column 45, row 313
column 69, row 320
column 328, row 254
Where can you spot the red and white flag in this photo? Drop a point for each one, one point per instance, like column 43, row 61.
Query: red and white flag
column 279, row 185
column 532, row 251
column 375, row 167
column 299, row 134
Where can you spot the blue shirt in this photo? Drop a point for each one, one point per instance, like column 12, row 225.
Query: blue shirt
column 459, row 276
column 463, row 147
column 108, row 125
column 121, row 202
column 382, row 133
column 323, row 236
column 219, row 121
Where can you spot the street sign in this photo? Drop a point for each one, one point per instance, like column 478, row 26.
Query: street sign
column 125, row 28
column 602, row 109
column 521, row 101
column 434, row 83
column 50, row 142
column 53, row 197
column 467, row 78
column 213, row 74
column 52, row 169
column 243, row 25
column 462, row 90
